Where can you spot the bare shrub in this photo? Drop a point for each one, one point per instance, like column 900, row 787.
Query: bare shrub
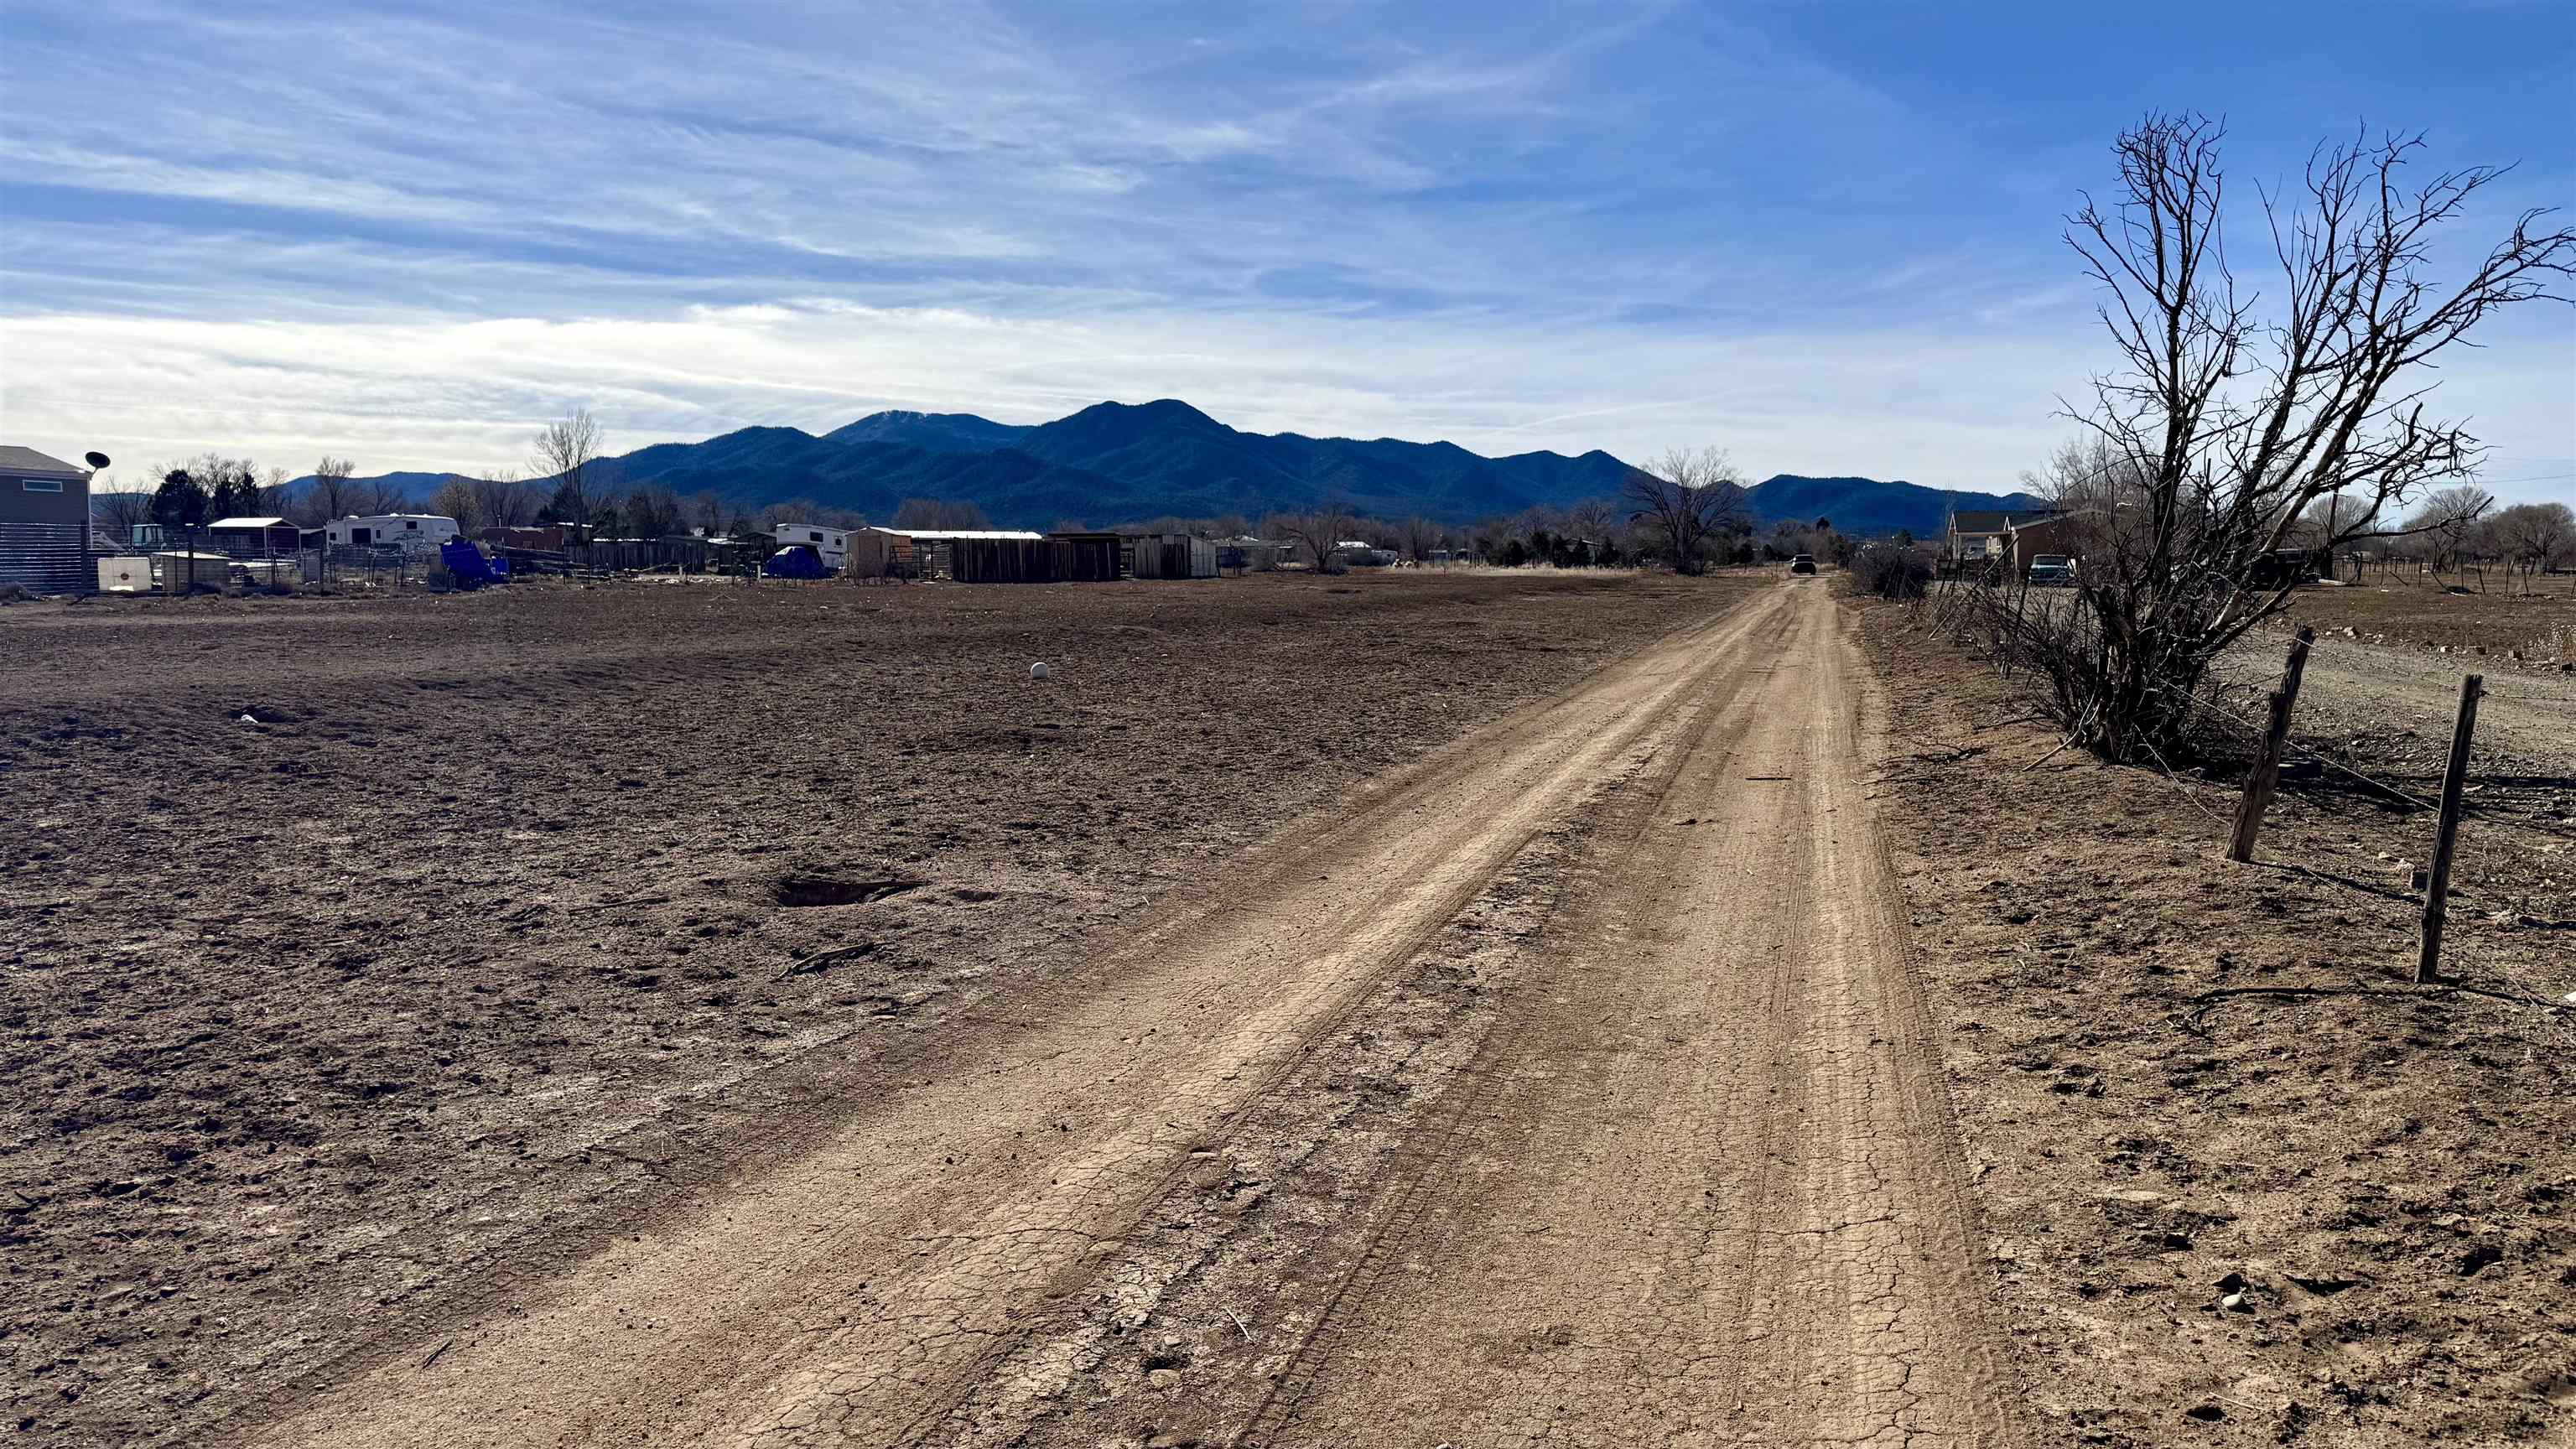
column 1892, row 573
column 2223, row 431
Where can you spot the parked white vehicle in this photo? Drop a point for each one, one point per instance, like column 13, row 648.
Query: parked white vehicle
column 408, row 531
column 832, row 544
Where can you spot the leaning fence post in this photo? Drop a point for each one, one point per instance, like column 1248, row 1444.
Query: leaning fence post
column 2437, row 882
column 2267, row 765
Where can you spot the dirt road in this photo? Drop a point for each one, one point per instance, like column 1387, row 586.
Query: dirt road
column 1571, row 1088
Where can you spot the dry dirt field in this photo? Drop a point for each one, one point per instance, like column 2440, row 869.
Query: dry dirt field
column 2224, row 1211
column 480, row 935
column 1486, row 1010
column 2502, row 627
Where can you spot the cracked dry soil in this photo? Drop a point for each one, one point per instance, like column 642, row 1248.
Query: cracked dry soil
column 1565, row 1083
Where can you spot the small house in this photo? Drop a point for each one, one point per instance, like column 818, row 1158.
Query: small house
column 2037, row 538
column 412, row 532
column 1982, row 534
column 44, row 521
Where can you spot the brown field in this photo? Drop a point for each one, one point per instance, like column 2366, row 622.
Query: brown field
column 2503, row 623
column 1494, row 1009
column 2387, row 1178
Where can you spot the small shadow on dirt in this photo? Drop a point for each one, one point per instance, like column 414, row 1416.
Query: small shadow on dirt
column 799, row 889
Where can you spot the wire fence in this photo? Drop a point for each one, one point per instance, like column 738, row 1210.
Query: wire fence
column 1997, row 620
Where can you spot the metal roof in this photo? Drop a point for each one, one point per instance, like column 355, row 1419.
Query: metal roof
column 1996, row 520
column 246, row 523
column 14, row 459
column 1019, row 533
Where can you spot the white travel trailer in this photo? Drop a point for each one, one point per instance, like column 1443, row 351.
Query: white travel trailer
column 420, row 531
column 832, row 543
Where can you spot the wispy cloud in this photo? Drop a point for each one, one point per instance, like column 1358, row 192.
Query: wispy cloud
column 1824, row 236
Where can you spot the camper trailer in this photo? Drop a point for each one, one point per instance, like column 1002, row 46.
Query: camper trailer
column 412, row 532
column 831, row 545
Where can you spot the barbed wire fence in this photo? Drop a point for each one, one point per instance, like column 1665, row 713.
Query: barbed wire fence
column 2005, row 621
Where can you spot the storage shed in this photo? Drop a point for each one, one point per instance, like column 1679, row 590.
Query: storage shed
column 1175, row 556
column 930, row 553
column 254, row 537
column 1057, row 558
column 44, row 521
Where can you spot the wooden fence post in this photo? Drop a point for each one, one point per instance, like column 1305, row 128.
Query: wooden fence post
column 2267, row 766
column 2437, row 882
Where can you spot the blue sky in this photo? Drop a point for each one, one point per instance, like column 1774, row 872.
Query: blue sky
column 1826, row 236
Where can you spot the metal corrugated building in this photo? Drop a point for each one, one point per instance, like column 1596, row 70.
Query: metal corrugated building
column 44, row 522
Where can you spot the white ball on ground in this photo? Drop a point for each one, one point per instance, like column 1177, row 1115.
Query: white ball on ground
column 1037, row 671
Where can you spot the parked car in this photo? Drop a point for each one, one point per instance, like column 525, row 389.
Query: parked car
column 1804, row 563
column 2052, row 571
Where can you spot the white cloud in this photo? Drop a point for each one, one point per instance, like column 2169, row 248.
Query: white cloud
column 409, row 237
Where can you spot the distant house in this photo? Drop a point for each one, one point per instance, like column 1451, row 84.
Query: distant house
column 44, row 521
column 1984, row 533
column 2031, row 538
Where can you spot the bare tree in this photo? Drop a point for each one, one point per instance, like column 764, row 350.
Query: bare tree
column 504, row 500
column 1596, row 520
column 2224, row 425
column 568, row 457
column 114, row 511
column 330, row 494
column 706, row 512
column 1419, row 538
column 379, row 495
column 277, row 493
column 2447, row 524
column 456, row 497
column 1318, row 533
column 2535, row 537
column 1685, row 500
column 940, row 514
column 653, row 511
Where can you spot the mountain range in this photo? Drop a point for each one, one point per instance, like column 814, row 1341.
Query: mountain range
column 1115, row 463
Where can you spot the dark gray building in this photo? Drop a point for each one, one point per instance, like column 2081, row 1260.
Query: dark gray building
column 44, row 521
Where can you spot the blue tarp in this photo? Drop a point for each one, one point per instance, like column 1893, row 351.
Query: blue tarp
column 795, row 561
column 471, row 568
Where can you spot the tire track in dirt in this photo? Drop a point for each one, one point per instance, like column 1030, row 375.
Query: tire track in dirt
column 853, row 1293
column 1714, row 1196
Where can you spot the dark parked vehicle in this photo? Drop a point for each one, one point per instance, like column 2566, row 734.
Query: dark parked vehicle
column 1804, row 563
column 2052, row 571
